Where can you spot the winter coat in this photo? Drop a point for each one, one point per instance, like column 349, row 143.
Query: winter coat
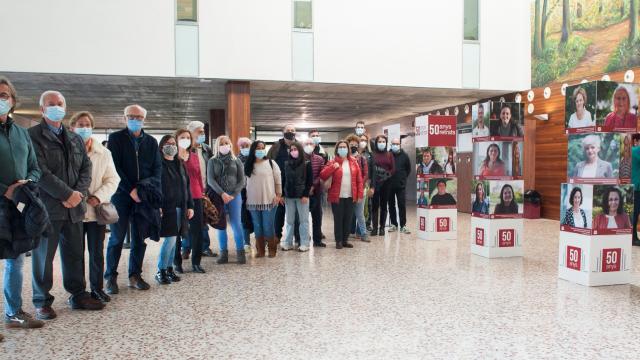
column 24, row 220
column 403, row 170
column 298, row 179
column 147, row 213
column 104, row 177
column 329, row 171
column 175, row 182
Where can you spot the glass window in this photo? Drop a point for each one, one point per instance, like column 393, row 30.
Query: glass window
column 187, row 10
column 471, row 19
column 302, row 14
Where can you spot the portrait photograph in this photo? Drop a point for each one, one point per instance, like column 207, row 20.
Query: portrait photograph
column 580, row 106
column 594, row 156
column 617, row 106
column 436, row 161
column 507, row 120
column 480, row 201
column 576, row 205
column 506, row 198
column 443, row 192
column 495, row 159
column 480, row 119
column 612, row 207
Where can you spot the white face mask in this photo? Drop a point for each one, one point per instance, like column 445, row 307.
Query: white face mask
column 308, row 149
column 184, row 143
column 224, row 149
column 363, row 144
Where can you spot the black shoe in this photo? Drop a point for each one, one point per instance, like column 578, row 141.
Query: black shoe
column 242, row 259
column 137, row 282
column 224, row 257
column 111, row 285
column 161, row 277
column 208, row 253
column 338, row 245
column 320, row 244
column 100, row 295
column 369, row 228
column 197, row 269
column 324, row 237
column 172, row 276
column 381, row 232
column 45, row 313
column 126, row 245
column 85, row 301
column 179, row 269
column 374, row 232
column 347, row 245
column 27, row 254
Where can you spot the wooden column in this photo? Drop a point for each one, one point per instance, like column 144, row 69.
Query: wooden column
column 216, row 124
column 238, row 112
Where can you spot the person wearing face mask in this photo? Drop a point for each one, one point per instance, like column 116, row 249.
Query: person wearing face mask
column 315, row 200
column 104, row 182
column 363, row 149
column 397, row 187
column 314, row 135
column 65, row 181
column 358, row 223
column 360, row 130
column 196, row 128
column 384, row 168
column 296, row 188
column 244, row 144
column 225, row 176
column 279, row 152
column 345, row 191
column 19, row 166
column 137, row 160
column 177, row 208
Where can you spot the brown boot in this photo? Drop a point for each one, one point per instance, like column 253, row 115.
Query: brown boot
column 260, row 244
column 272, row 243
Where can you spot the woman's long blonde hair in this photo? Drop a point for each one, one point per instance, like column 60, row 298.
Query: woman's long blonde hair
column 216, row 147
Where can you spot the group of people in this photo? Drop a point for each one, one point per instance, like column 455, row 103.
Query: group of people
column 171, row 191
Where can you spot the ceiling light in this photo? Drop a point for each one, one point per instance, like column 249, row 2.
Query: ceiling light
column 530, row 95
column 547, row 92
column 629, row 76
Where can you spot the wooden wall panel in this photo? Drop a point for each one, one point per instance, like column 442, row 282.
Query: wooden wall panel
column 238, row 110
column 464, row 173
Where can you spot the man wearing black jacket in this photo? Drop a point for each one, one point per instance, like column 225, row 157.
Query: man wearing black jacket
column 137, row 160
column 398, row 186
column 66, row 176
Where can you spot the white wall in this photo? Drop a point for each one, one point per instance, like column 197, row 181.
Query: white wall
column 245, row 39
column 125, row 37
column 505, row 44
column 400, row 42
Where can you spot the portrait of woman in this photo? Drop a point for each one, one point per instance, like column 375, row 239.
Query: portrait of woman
column 592, row 166
column 507, row 204
column 515, row 156
column 575, row 216
column 492, row 165
column 481, row 202
column 480, row 129
column 621, row 116
column 450, row 166
column 507, row 126
column 423, row 198
column 613, row 215
column 581, row 117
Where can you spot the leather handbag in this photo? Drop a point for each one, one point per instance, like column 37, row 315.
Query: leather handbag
column 106, row 214
column 213, row 207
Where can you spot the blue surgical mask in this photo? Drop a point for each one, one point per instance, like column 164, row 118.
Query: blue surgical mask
column 85, row 133
column 244, row 152
column 201, row 139
column 395, row 148
column 382, row 146
column 260, row 154
column 5, row 106
column 54, row 113
column 342, row 152
column 134, row 125
column 359, row 131
column 316, row 139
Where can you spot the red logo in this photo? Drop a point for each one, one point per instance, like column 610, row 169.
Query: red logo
column 574, row 257
column 442, row 224
column 611, row 259
column 506, row 237
column 480, row 236
column 423, row 223
column 441, row 130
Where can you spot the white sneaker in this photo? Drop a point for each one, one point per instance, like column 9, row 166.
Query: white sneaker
column 404, row 230
column 285, row 247
column 247, row 249
column 392, row 228
column 303, row 248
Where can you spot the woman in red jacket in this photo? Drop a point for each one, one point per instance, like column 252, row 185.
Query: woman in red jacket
column 346, row 190
column 613, row 215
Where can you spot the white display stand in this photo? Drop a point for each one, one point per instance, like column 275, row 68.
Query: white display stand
column 437, row 224
column 594, row 260
column 494, row 238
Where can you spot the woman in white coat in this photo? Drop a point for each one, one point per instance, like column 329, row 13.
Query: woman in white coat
column 104, row 182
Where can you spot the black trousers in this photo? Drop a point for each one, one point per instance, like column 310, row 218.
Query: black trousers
column 399, row 194
column 95, row 244
column 177, row 258
column 379, row 205
column 195, row 231
column 342, row 215
column 315, row 207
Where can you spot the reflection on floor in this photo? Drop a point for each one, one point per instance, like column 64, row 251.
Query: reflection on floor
column 397, row 297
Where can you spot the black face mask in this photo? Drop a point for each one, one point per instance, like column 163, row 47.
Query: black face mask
column 289, row 135
column 354, row 149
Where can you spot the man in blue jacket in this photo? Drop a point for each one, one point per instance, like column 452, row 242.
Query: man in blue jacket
column 136, row 157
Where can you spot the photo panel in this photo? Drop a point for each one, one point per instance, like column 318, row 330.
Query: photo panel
column 480, row 114
column 443, row 193
column 422, row 196
column 436, row 161
column 497, row 159
column 506, row 199
column 507, row 120
column 617, row 106
column 480, row 201
column 595, row 158
column 612, row 209
column 576, row 208
column 580, row 108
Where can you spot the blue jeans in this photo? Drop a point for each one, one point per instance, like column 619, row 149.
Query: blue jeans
column 13, row 285
column 168, row 248
column 233, row 209
column 361, row 227
column 295, row 206
column 124, row 205
column 263, row 223
column 247, row 236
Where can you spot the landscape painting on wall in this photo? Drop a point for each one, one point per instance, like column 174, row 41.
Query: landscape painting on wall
column 575, row 39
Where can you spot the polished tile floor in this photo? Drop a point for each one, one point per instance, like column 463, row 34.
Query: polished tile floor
column 395, row 298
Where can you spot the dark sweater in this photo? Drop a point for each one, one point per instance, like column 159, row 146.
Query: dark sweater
column 403, row 169
column 136, row 159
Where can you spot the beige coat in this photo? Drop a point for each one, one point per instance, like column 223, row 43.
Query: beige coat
column 104, row 178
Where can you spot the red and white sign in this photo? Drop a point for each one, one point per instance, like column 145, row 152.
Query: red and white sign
column 436, row 130
column 611, row 259
column 423, row 223
column 506, row 238
column 442, row 224
column 480, row 236
column 574, row 256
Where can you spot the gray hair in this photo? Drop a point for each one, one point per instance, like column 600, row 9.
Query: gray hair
column 195, row 125
column 591, row 140
column 52, row 92
column 144, row 111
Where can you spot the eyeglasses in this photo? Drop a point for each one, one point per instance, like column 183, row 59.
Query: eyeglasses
column 135, row 117
column 4, row 96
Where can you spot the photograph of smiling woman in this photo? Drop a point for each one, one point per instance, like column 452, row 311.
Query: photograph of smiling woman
column 592, row 166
